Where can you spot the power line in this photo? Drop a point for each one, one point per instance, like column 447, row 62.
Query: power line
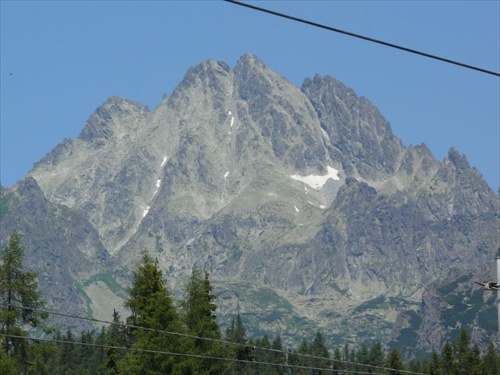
column 198, row 356
column 252, row 347
column 369, row 39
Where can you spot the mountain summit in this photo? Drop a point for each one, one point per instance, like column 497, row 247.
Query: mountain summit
column 300, row 202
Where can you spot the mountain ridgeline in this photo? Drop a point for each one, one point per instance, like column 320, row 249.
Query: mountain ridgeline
column 300, row 202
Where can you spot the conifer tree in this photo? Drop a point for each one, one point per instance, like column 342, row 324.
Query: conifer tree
column 376, row 355
column 474, row 361
column 151, row 307
column 337, row 361
column 198, row 313
column 278, row 356
column 361, row 357
column 461, row 350
column 19, row 301
column 448, row 360
column 263, row 354
column 435, row 365
column 237, row 333
column 199, row 310
column 113, row 337
column 304, row 349
column 491, row 361
column 319, row 349
column 395, row 363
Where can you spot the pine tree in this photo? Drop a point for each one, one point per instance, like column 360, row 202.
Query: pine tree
column 20, row 300
column 198, row 312
column 461, row 348
column 278, row 356
column 264, row 355
column 346, row 357
column 362, row 357
column 448, row 360
column 319, row 349
column 304, row 352
column 151, row 307
column 491, row 361
column 435, row 365
column 395, row 363
column 337, row 361
column 115, row 336
column 237, row 333
column 474, row 361
column 376, row 355
column 67, row 354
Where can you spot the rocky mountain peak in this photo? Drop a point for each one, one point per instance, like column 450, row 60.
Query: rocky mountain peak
column 458, row 160
column 360, row 136
column 305, row 192
column 29, row 189
column 206, row 73
column 114, row 117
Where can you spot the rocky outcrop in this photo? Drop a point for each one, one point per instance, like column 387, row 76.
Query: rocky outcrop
column 299, row 196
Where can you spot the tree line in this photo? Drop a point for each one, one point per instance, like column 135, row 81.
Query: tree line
column 163, row 337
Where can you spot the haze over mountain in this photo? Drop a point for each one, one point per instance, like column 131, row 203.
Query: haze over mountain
column 300, row 202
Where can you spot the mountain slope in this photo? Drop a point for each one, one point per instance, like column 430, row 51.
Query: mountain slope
column 300, row 202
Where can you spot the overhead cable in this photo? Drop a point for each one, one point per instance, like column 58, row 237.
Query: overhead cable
column 373, row 40
column 252, row 347
column 198, row 356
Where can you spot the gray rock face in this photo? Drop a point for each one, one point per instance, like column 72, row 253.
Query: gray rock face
column 304, row 207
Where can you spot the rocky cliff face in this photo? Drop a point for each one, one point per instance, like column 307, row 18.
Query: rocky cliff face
column 304, row 207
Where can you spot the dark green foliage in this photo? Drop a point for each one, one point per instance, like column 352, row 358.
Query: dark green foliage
column 155, row 332
column 18, row 287
column 318, row 349
column 395, row 363
column 376, row 355
column 236, row 333
column 151, row 307
column 491, row 361
column 278, row 356
column 435, row 364
column 337, row 361
column 198, row 315
column 115, row 336
column 371, row 304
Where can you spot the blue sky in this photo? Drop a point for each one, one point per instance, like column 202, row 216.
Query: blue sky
column 68, row 57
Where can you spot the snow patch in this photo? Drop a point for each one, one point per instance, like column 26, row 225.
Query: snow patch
column 226, row 174
column 158, row 183
column 145, row 212
column 296, row 209
column 317, row 182
column 164, row 161
column 322, row 206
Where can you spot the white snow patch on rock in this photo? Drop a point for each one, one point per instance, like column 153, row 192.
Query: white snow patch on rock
column 317, row 182
column 226, row 174
column 322, row 206
column 158, row 183
column 296, row 209
column 164, row 161
column 145, row 212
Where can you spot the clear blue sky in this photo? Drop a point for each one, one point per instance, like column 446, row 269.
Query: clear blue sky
column 67, row 57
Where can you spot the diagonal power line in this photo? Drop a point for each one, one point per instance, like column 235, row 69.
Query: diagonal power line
column 369, row 368
column 373, row 40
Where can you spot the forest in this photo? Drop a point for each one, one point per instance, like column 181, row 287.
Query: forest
column 163, row 336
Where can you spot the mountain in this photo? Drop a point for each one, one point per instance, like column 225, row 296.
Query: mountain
column 305, row 209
